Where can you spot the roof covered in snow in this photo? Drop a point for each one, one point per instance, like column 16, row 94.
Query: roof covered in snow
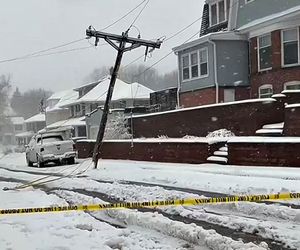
column 36, row 118
column 90, row 84
column 221, row 35
column 66, row 97
column 57, row 95
column 25, row 134
column 79, row 121
column 122, row 91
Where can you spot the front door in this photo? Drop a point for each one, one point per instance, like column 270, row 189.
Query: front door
column 229, row 95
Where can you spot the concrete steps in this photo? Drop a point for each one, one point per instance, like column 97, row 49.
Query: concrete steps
column 271, row 130
column 219, row 156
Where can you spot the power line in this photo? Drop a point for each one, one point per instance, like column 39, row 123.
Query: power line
column 183, row 29
column 141, row 11
column 122, row 17
column 53, row 53
column 42, row 51
column 60, row 52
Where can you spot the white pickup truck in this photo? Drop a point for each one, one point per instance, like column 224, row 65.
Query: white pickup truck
column 50, row 147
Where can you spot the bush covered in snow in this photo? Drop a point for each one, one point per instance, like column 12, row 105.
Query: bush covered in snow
column 220, row 133
column 116, row 128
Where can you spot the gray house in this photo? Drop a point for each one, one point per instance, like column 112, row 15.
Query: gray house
column 216, row 67
column 213, row 69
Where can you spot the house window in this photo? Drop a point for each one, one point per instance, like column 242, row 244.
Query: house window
column 265, row 91
column 195, row 64
column 83, row 109
column 77, row 109
column 218, row 12
column 221, row 6
column 185, row 67
column 72, row 111
column 214, row 15
column 290, row 47
column 18, row 127
column 93, row 106
column 264, row 52
column 81, row 131
column 203, row 62
column 295, row 85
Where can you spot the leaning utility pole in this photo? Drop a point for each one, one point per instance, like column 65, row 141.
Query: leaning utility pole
column 121, row 48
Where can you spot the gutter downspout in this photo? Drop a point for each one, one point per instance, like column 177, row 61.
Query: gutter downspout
column 215, row 68
column 178, row 82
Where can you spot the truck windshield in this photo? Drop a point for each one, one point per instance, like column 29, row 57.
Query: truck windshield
column 48, row 139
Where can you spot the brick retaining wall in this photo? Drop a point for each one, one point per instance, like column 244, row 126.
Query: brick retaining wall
column 191, row 152
column 242, row 118
column 264, row 154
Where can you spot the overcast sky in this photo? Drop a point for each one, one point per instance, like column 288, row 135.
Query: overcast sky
column 33, row 25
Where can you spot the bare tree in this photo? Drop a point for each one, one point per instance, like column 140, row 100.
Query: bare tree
column 97, row 74
column 141, row 74
column 4, row 92
column 28, row 103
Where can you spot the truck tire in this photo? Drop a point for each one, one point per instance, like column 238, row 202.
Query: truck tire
column 71, row 161
column 58, row 163
column 29, row 163
column 40, row 164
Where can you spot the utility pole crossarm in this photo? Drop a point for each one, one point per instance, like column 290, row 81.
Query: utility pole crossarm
column 114, row 37
column 111, row 43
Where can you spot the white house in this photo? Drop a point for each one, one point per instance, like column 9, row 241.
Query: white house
column 124, row 95
column 36, row 122
column 54, row 111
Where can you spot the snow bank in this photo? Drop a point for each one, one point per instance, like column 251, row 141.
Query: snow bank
column 220, row 133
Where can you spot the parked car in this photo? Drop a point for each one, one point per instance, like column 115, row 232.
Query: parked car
column 50, row 147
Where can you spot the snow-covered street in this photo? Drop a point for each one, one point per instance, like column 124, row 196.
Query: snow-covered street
column 275, row 225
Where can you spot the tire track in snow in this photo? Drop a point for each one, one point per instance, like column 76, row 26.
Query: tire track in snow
column 222, row 230
column 191, row 191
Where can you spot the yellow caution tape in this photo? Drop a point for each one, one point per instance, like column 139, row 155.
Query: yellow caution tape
column 151, row 204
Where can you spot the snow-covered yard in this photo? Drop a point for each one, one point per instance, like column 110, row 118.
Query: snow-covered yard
column 140, row 181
